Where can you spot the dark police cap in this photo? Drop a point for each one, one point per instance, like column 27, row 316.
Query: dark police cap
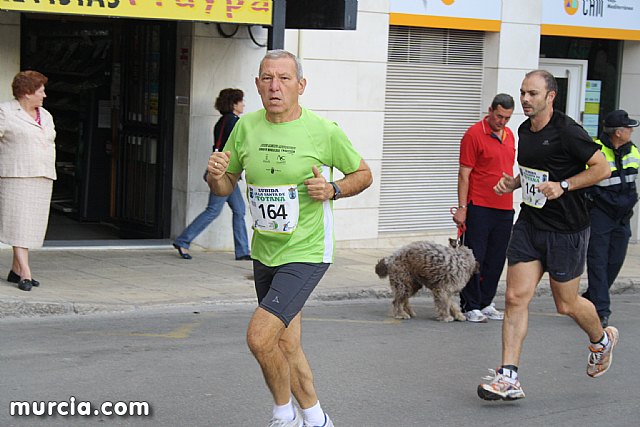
column 619, row 119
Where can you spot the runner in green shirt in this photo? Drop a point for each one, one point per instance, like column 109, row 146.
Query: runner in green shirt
column 278, row 158
column 288, row 154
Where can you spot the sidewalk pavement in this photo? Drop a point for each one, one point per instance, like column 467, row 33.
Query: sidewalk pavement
column 92, row 280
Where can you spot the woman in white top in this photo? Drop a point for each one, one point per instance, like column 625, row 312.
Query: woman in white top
column 27, row 172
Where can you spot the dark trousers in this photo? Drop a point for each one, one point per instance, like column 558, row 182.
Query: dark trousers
column 487, row 235
column 607, row 249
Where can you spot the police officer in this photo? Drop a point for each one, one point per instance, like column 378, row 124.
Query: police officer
column 613, row 200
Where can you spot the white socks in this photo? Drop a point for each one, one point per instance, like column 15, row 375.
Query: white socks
column 510, row 375
column 314, row 416
column 284, row 412
column 603, row 343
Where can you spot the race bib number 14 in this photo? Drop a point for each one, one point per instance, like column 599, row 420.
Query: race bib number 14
column 530, row 179
column 274, row 209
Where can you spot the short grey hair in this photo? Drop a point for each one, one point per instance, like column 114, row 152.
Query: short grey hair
column 279, row 54
column 504, row 100
column 610, row 131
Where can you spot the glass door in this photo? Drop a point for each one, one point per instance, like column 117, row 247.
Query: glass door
column 571, row 75
column 144, row 146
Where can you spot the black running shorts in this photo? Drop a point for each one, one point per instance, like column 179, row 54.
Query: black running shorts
column 283, row 290
column 563, row 255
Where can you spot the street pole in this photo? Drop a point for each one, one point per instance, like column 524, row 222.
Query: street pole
column 275, row 34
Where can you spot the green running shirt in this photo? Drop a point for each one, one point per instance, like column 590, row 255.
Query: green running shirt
column 282, row 155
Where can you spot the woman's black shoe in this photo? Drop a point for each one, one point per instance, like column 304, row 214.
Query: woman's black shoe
column 183, row 255
column 244, row 258
column 14, row 278
column 25, row 285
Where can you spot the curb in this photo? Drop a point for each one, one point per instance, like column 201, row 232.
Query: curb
column 22, row 309
column 9, row 309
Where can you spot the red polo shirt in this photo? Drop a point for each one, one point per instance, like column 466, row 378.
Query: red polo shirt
column 488, row 156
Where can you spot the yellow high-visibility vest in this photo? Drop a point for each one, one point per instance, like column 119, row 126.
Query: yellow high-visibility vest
column 630, row 164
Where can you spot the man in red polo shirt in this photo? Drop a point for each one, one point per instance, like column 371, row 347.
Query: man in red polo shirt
column 487, row 150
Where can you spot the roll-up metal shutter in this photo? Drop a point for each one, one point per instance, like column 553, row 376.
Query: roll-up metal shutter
column 433, row 94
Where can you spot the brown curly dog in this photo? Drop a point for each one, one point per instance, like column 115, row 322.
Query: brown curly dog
column 442, row 269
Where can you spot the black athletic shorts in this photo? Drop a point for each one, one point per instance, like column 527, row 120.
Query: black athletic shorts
column 283, row 290
column 563, row 255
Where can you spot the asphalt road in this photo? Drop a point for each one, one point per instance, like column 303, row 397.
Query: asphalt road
column 193, row 369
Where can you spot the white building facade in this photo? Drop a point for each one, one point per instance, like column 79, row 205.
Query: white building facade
column 404, row 86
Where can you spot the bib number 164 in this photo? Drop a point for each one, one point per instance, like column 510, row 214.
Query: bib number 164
column 272, row 211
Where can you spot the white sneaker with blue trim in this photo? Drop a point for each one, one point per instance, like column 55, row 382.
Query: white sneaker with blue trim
column 492, row 313
column 475, row 316
column 295, row 422
column 327, row 422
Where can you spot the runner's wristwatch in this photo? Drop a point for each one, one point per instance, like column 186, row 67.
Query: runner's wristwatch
column 336, row 191
column 564, row 185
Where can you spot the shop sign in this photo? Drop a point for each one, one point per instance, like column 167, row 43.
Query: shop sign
column 612, row 19
column 233, row 11
column 482, row 15
column 591, row 116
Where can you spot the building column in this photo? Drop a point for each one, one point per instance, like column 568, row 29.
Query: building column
column 207, row 63
column 518, row 48
column 9, row 51
column 509, row 55
column 346, row 75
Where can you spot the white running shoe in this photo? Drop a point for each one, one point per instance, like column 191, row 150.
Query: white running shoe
column 500, row 387
column 492, row 313
column 296, row 422
column 327, row 422
column 600, row 358
column 475, row 316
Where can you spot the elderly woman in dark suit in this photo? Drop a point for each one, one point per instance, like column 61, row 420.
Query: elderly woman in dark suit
column 27, row 171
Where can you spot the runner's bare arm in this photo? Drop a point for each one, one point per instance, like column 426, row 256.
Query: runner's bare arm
column 356, row 182
column 220, row 181
column 598, row 170
column 507, row 184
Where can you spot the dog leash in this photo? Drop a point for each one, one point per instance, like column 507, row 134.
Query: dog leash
column 462, row 228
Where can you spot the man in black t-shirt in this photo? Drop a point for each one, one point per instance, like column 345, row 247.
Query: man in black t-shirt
column 552, row 230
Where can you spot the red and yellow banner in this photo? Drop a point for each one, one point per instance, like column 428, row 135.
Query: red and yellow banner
column 233, row 11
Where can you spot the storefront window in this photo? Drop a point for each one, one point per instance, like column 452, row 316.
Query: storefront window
column 604, row 64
